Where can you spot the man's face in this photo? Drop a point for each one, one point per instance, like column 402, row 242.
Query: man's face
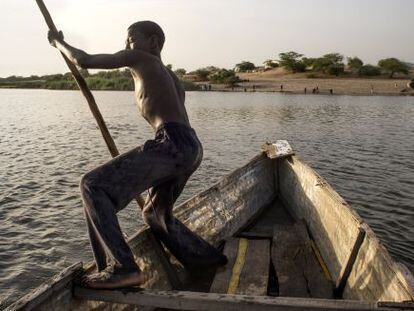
column 137, row 41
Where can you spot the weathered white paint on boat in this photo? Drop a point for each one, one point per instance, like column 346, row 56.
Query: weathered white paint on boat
column 223, row 209
column 334, row 225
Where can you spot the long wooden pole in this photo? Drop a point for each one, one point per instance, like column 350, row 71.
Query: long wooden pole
column 80, row 81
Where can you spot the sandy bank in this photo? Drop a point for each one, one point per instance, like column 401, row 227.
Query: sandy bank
column 271, row 81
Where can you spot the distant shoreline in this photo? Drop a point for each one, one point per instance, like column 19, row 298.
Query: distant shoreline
column 273, row 81
column 221, row 89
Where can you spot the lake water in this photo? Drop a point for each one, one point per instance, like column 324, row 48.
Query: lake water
column 363, row 146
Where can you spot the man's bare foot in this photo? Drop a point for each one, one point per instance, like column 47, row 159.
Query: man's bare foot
column 108, row 280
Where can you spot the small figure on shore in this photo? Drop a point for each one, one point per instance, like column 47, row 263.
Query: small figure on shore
column 305, row 90
column 245, row 89
column 331, row 91
column 313, row 91
column 372, row 89
column 317, row 89
column 254, row 88
column 395, row 85
column 281, row 87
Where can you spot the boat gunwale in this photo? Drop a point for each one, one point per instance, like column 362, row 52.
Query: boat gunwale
column 403, row 275
column 407, row 279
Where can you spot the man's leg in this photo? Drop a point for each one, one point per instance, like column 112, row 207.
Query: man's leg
column 108, row 189
column 190, row 249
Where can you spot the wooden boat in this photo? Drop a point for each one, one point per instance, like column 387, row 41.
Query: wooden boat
column 292, row 242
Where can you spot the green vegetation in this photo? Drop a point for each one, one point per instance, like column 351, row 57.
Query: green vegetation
column 355, row 64
column 332, row 64
column 117, row 80
column 180, row 72
column 329, row 64
column 269, row 63
column 393, row 66
column 318, row 67
column 202, row 74
column 369, row 71
column 292, row 61
column 224, row 76
column 245, row 66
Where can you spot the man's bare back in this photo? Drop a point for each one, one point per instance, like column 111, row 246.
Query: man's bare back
column 162, row 165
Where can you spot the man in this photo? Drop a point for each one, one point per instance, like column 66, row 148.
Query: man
column 162, row 165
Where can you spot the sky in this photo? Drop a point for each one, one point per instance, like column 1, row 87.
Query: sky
column 208, row 32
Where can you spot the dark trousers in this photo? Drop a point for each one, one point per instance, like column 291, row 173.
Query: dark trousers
column 162, row 165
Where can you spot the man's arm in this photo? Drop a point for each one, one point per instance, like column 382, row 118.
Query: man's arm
column 124, row 58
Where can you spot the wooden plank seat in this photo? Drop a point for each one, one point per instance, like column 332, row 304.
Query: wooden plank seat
column 298, row 270
column 247, row 271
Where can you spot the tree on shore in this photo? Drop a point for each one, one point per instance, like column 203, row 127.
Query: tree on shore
column 393, row 66
column 270, row 63
column 202, row 74
column 292, row 61
column 244, row 66
column 224, row 76
column 355, row 64
column 308, row 62
column 369, row 71
column 180, row 72
column 330, row 63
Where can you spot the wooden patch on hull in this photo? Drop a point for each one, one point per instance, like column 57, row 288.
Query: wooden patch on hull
column 247, row 270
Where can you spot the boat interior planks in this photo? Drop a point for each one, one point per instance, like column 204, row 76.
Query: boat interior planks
column 262, row 226
column 298, row 271
column 248, row 268
column 288, row 233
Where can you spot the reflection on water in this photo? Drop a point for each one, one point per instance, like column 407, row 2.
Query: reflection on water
column 362, row 145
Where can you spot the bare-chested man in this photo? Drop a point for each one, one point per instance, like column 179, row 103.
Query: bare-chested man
column 162, row 165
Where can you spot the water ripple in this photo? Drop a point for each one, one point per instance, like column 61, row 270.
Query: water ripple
column 362, row 145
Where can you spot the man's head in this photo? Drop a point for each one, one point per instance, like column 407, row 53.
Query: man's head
column 147, row 36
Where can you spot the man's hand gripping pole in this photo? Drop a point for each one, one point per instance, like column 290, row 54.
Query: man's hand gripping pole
column 80, row 81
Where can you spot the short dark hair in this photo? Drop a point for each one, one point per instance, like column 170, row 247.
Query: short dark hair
column 148, row 29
